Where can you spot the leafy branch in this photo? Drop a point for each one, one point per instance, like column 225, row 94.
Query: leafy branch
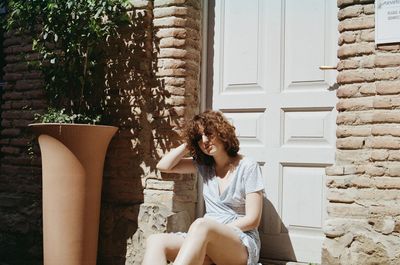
column 71, row 36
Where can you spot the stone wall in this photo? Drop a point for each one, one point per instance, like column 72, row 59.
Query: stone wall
column 364, row 184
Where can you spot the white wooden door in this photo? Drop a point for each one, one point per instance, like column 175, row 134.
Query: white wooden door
column 266, row 79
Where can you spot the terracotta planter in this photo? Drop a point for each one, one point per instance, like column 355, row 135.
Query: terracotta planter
column 72, row 168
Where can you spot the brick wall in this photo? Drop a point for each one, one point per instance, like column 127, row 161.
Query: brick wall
column 169, row 204
column 152, row 83
column 364, row 185
column 20, row 181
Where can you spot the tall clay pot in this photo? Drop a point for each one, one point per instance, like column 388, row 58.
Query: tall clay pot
column 72, row 170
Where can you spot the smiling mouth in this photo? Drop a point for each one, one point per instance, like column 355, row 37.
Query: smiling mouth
column 208, row 148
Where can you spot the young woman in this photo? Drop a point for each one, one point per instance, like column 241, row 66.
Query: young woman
column 233, row 194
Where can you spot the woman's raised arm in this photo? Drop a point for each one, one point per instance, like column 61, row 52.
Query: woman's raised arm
column 175, row 162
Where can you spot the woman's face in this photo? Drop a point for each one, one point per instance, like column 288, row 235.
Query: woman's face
column 210, row 144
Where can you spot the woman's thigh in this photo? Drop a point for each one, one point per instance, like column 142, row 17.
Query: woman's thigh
column 172, row 243
column 225, row 246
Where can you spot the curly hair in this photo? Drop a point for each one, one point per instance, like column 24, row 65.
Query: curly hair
column 213, row 124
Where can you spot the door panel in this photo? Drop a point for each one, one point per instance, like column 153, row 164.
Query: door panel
column 266, row 79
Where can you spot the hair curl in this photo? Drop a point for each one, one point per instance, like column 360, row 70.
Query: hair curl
column 213, row 124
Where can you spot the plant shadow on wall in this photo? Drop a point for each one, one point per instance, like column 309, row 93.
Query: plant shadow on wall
column 125, row 90
column 137, row 104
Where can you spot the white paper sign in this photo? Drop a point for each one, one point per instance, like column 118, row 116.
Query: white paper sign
column 387, row 21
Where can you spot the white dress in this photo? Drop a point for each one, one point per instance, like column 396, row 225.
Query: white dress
column 230, row 205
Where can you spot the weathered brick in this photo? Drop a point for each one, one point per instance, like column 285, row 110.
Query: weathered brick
column 172, row 53
column 367, row 89
column 347, row 210
column 387, row 73
column 382, row 103
column 367, row 35
column 170, row 22
column 389, row 47
column 10, row 150
column 193, row 3
column 171, row 72
column 350, row 143
column 393, row 170
column 373, row 170
column 383, row 142
column 365, row 22
column 344, row 157
column 390, row 116
column 356, row 49
column 347, row 64
column 340, row 195
column 394, row 155
column 347, row 37
column 365, row 103
column 387, row 182
column 367, row 61
column 172, row 32
column 387, row 60
column 388, row 87
column 350, row 11
column 347, row 91
column 346, row 131
column 171, row 43
column 355, row 118
column 369, row 9
column 379, row 155
column 357, row 76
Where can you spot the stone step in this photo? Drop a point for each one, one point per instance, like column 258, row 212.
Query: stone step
column 282, row 262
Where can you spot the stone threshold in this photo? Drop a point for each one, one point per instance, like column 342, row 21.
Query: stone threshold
column 282, row 262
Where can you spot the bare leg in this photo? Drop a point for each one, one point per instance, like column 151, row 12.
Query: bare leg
column 218, row 241
column 162, row 247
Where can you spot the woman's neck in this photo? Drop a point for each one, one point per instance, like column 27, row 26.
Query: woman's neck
column 223, row 163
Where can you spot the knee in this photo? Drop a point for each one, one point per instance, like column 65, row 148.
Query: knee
column 201, row 227
column 156, row 241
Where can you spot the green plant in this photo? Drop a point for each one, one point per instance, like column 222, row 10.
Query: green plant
column 70, row 37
